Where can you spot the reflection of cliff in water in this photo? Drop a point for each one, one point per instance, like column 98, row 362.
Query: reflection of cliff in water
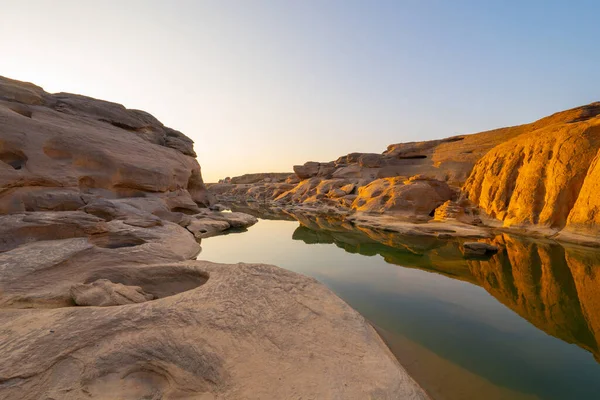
column 556, row 288
column 260, row 210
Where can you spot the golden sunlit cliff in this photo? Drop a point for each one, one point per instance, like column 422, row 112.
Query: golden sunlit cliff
column 542, row 176
column 545, row 176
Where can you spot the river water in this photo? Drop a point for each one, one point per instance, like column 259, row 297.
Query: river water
column 524, row 324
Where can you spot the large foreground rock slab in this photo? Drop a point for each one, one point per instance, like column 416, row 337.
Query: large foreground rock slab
column 249, row 332
column 36, row 271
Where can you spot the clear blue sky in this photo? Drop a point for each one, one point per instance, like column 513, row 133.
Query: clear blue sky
column 262, row 85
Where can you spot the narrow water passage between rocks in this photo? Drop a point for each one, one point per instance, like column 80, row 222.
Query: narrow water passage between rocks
column 522, row 325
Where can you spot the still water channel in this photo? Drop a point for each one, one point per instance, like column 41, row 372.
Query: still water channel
column 524, row 324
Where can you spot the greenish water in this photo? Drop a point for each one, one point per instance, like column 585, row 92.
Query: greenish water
column 524, row 324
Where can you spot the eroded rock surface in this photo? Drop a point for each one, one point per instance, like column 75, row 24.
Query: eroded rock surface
column 101, row 212
column 545, row 177
column 540, row 178
column 249, row 332
column 210, row 223
column 73, row 146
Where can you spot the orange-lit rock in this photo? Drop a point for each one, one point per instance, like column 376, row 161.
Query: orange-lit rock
column 537, row 177
column 417, row 198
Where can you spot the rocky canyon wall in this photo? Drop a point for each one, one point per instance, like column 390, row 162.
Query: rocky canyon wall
column 541, row 176
column 546, row 177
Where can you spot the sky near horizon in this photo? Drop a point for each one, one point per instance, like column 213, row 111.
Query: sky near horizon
column 262, row 85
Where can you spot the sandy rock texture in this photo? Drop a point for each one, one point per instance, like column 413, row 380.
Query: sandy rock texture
column 415, row 198
column 248, row 332
column 101, row 213
column 209, row 223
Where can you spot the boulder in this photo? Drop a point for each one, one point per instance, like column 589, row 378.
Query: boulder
column 260, row 177
column 308, row 170
column 234, row 219
column 312, row 169
column 349, row 188
column 371, row 160
column 206, row 227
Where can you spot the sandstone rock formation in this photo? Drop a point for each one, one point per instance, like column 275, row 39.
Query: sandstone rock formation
column 71, row 146
column 541, row 177
column 415, row 198
column 408, row 181
column 260, row 177
column 209, row 223
column 546, row 177
column 101, row 213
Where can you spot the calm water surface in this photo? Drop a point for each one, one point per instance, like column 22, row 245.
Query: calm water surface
column 524, row 324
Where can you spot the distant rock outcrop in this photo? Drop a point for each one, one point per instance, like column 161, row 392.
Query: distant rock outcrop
column 541, row 176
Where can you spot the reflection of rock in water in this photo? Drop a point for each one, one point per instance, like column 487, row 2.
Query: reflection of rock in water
column 538, row 281
column 260, row 210
column 555, row 288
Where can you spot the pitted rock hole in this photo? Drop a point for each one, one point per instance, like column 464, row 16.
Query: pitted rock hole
column 16, row 159
column 159, row 281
